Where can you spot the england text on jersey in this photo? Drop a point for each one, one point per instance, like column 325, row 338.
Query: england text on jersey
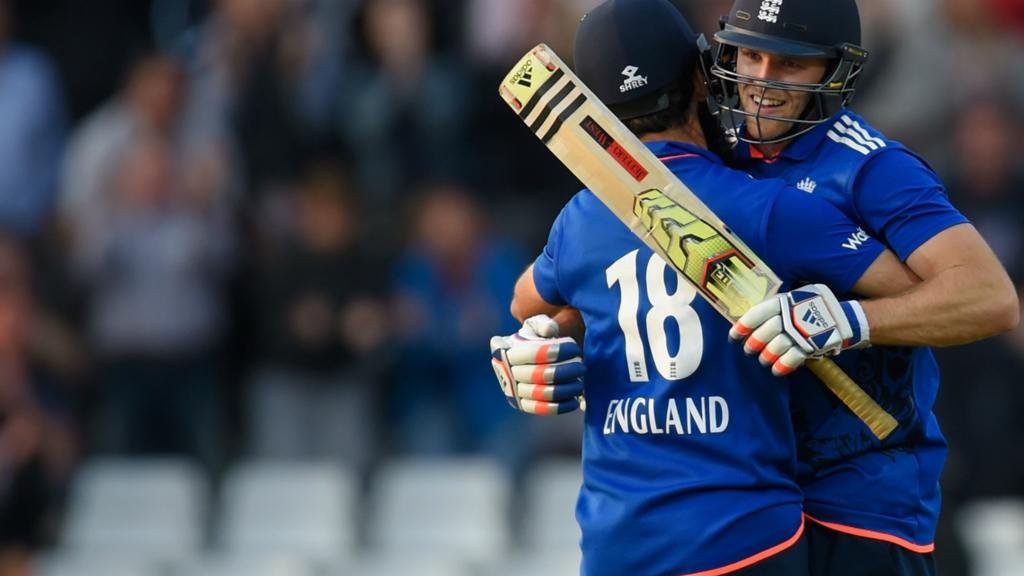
column 703, row 415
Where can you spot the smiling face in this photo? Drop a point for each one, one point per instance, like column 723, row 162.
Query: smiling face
column 769, row 102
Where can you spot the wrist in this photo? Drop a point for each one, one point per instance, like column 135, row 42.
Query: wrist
column 861, row 336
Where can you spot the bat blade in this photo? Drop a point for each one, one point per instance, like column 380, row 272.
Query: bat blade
column 610, row 161
column 659, row 208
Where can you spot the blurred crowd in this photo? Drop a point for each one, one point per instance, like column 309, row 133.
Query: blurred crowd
column 287, row 228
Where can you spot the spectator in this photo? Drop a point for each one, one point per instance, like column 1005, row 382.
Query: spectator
column 499, row 33
column 982, row 380
column 521, row 180
column 451, row 284
column 978, row 44
column 150, row 102
column 986, row 180
column 147, row 106
column 31, row 132
column 154, row 265
column 219, row 55
column 37, row 445
column 287, row 84
column 404, row 113
column 321, row 326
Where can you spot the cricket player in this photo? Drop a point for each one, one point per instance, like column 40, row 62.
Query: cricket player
column 784, row 72
column 688, row 450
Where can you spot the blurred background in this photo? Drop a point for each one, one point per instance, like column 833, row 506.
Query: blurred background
column 252, row 252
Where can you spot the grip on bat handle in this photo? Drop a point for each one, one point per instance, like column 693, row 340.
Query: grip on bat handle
column 863, row 406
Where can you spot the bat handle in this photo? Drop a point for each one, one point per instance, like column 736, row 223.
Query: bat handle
column 863, row 406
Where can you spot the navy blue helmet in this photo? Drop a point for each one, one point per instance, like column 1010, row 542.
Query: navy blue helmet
column 827, row 29
column 631, row 52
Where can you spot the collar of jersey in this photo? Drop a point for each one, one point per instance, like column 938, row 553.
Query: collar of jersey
column 799, row 149
column 668, row 148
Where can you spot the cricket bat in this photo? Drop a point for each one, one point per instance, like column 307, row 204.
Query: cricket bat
column 659, row 208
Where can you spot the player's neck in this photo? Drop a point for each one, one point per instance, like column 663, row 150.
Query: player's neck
column 771, row 150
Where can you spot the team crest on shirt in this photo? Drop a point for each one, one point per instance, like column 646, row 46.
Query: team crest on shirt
column 807, row 185
column 769, row 11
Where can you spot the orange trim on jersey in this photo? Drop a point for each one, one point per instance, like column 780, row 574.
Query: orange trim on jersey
column 756, row 154
column 919, row 548
column 755, row 558
column 677, row 156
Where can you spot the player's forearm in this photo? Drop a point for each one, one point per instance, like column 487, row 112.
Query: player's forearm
column 959, row 305
column 570, row 323
column 527, row 301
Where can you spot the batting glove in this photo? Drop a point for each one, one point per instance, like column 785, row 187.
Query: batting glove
column 809, row 322
column 539, row 372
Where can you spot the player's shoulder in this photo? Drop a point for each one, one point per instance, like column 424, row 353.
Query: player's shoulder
column 741, row 201
column 735, row 186
column 715, row 179
column 852, row 139
column 584, row 201
column 585, row 209
column 851, row 135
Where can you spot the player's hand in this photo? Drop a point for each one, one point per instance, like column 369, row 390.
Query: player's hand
column 809, row 322
column 539, row 372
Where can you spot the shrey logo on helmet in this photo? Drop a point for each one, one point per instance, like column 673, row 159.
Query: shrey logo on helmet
column 617, row 58
column 632, row 79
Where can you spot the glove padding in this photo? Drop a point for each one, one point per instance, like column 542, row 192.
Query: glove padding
column 809, row 322
column 539, row 372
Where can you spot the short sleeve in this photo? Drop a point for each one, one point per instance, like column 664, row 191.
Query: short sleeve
column 811, row 240
column 902, row 201
column 545, row 267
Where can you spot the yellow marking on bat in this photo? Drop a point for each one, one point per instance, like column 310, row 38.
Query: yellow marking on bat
column 528, row 75
column 717, row 266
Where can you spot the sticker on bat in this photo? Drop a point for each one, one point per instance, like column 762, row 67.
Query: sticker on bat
column 620, row 154
column 717, row 267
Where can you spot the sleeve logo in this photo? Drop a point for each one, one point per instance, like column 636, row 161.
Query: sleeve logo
column 856, row 239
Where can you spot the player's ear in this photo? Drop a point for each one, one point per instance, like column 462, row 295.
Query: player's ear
column 700, row 88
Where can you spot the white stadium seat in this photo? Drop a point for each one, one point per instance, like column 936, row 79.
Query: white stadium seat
column 404, row 565
column 534, row 564
column 448, row 507
column 993, row 534
column 249, row 565
column 150, row 509
column 87, row 564
column 306, row 510
column 549, row 497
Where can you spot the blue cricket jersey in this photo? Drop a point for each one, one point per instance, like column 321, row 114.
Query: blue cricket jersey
column 851, row 481
column 688, row 444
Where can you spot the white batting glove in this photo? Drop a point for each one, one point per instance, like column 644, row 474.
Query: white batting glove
column 809, row 322
column 539, row 372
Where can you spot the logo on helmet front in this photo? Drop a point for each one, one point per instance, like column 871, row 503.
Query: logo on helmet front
column 770, row 11
column 632, row 80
